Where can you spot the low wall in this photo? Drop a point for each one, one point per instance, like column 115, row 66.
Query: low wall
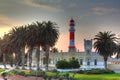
column 67, row 70
column 114, row 66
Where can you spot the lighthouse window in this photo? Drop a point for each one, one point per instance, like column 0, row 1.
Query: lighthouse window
column 81, row 61
column 88, row 61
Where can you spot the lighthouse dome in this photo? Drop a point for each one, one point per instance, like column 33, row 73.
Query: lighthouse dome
column 71, row 20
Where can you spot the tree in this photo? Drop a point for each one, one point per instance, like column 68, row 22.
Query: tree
column 105, row 45
column 117, row 51
column 50, row 34
column 54, row 49
column 18, row 41
column 5, row 47
column 31, row 36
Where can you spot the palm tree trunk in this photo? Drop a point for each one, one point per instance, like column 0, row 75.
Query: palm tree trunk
column 23, row 57
column 17, row 56
column 38, row 57
column 47, row 57
column 4, row 60
column 30, row 57
column 105, row 62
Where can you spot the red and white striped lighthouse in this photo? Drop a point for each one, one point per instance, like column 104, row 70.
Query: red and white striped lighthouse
column 72, row 36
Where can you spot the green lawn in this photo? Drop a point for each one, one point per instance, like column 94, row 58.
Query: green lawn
column 115, row 76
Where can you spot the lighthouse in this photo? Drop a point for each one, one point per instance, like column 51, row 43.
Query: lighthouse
column 72, row 36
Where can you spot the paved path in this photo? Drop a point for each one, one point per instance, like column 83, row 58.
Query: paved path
column 18, row 77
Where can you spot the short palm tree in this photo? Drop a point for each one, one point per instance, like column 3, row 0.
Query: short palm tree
column 105, row 45
column 118, row 51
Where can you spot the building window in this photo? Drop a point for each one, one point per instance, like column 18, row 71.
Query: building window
column 88, row 61
column 49, row 60
column 81, row 61
column 95, row 61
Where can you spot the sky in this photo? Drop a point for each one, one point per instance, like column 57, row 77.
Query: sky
column 91, row 16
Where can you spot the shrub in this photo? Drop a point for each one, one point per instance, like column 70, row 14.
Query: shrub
column 54, row 70
column 80, row 72
column 39, row 73
column 1, row 70
column 63, row 64
column 4, row 74
column 74, row 63
column 98, row 71
column 107, row 71
column 71, row 64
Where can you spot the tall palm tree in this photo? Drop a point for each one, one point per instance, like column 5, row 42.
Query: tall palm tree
column 39, row 30
column 18, row 39
column 32, row 40
column 105, row 45
column 5, row 47
column 50, row 34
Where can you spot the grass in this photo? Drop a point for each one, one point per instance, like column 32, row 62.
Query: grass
column 115, row 76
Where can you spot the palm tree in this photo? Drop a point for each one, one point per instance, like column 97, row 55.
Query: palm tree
column 39, row 41
column 117, row 50
column 105, row 45
column 5, row 47
column 50, row 34
column 18, row 40
column 32, row 41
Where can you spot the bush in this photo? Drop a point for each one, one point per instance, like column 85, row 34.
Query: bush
column 39, row 73
column 98, row 71
column 1, row 70
column 54, row 70
column 80, row 72
column 4, row 74
column 63, row 64
column 74, row 63
column 71, row 64
column 107, row 71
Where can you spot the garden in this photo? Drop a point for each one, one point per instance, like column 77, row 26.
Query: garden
column 93, row 74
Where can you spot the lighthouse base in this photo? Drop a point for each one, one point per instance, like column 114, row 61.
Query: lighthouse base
column 72, row 49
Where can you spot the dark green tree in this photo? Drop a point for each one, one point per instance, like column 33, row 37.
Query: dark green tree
column 50, row 34
column 105, row 45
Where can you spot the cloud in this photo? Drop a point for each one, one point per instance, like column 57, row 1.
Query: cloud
column 4, row 21
column 101, row 10
column 45, row 4
column 3, row 18
column 72, row 5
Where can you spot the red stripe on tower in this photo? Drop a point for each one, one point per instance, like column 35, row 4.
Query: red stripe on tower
column 71, row 35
